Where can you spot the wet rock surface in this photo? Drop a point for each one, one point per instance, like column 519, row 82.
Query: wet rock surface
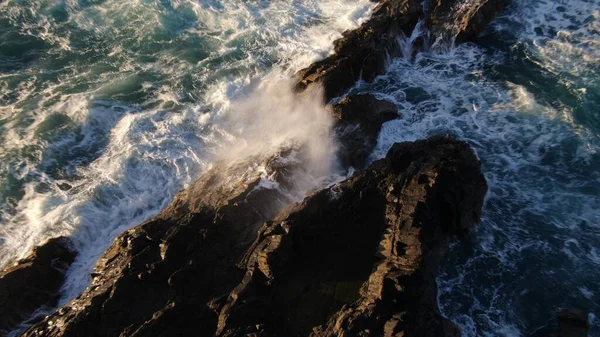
column 358, row 121
column 33, row 282
column 358, row 258
column 364, row 53
column 462, row 20
column 166, row 275
column 572, row 323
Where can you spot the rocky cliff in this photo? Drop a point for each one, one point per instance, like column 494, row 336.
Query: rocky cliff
column 363, row 53
column 356, row 259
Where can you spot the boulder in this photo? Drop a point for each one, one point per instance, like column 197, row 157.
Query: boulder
column 33, row 282
column 167, row 276
column 360, row 258
column 462, row 20
column 363, row 53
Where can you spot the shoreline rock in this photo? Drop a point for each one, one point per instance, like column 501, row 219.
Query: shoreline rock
column 33, row 282
column 170, row 271
column 452, row 19
column 359, row 119
column 359, row 256
column 363, row 53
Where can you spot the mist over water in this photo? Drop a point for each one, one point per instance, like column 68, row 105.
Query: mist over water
column 108, row 108
column 273, row 117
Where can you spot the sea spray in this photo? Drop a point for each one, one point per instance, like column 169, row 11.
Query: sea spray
column 251, row 130
column 274, row 116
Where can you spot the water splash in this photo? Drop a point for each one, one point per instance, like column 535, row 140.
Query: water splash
column 108, row 108
column 418, row 41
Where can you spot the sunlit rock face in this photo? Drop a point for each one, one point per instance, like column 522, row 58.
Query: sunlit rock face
column 359, row 257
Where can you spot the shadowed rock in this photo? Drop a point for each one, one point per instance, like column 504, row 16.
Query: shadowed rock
column 166, row 275
column 463, row 20
column 33, row 282
column 359, row 256
column 572, row 323
column 363, row 52
column 358, row 121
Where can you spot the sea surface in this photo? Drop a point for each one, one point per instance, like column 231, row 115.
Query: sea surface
column 109, row 107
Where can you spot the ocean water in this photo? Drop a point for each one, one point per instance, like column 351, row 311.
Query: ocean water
column 108, row 108
column 527, row 99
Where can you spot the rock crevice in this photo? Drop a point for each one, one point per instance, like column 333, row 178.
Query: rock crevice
column 360, row 258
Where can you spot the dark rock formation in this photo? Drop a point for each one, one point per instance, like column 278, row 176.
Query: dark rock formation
column 358, row 121
column 33, row 282
column 166, row 276
column 363, row 53
column 358, row 258
column 463, row 20
column 572, row 323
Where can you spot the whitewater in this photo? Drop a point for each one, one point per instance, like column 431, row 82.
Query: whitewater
column 108, row 108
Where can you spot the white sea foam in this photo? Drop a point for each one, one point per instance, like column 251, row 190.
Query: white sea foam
column 539, row 153
column 152, row 93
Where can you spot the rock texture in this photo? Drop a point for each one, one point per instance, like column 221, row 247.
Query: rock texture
column 364, row 53
column 360, row 258
column 33, row 282
column 463, row 20
column 572, row 323
column 358, row 121
column 166, row 275
column 357, row 259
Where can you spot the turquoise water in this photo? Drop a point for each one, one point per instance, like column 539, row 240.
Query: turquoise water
column 108, row 108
